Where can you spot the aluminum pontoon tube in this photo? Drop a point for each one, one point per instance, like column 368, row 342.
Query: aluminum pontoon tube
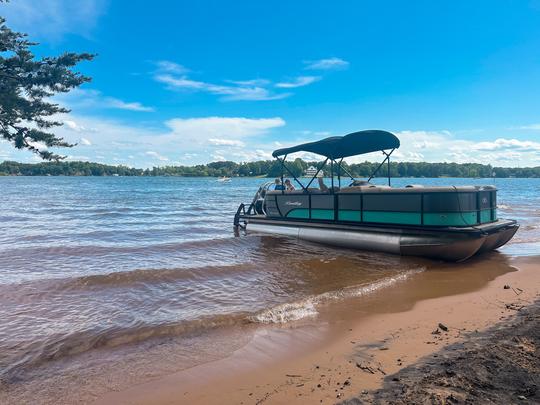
column 359, row 240
column 450, row 246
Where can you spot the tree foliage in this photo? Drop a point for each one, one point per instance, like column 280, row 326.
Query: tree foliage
column 264, row 168
column 26, row 84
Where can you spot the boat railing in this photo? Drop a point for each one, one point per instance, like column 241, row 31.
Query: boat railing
column 445, row 206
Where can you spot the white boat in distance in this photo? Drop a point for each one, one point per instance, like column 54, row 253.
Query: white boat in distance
column 312, row 171
column 224, row 179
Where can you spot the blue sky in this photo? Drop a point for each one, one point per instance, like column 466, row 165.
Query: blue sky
column 180, row 82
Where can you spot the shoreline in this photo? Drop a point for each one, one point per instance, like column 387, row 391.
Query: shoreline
column 354, row 344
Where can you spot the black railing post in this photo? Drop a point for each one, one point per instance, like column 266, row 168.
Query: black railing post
column 282, row 168
column 332, row 174
column 339, row 173
column 389, row 171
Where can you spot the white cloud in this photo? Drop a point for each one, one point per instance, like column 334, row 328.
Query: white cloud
column 507, row 144
column 228, row 93
column 72, row 125
column 196, row 139
column 78, row 158
column 217, row 157
column 199, row 130
column 327, row 64
column 168, row 66
column 203, row 139
column 177, row 77
column 39, row 146
column 251, row 155
column 531, row 126
column 157, row 156
column 226, row 142
column 252, row 82
column 298, row 82
column 444, row 146
column 122, row 105
column 54, row 18
column 79, row 99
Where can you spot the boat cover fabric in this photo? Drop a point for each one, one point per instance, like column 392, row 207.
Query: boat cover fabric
column 337, row 147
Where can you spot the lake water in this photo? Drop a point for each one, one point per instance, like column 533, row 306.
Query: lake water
column 106, row 272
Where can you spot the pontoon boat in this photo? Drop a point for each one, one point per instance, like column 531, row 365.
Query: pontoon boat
column 449, row 223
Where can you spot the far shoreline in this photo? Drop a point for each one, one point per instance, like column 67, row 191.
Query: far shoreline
column 256, row 177
column 266, row 169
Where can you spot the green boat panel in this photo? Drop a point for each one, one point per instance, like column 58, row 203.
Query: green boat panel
column 322, row 214
column 451, row 218
column 302, row 213
column 485, row 216
column 344, row 215
column 408, row 218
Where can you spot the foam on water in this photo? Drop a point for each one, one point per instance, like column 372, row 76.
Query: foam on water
column 307, row 307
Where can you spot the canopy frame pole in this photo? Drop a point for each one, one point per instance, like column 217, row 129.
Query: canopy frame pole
column 348, row 173
column 332, row 174
column 284, row 166
column 313, row 178
column 339, row 173
column 388, row 171
column 387, row 158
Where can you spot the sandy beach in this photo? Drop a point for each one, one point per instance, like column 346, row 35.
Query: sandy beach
column 356, row 345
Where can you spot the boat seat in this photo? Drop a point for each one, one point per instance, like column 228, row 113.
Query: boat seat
column 356, row 189
column 297, row 191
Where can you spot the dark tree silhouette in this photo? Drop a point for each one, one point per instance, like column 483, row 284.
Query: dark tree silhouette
column 26, row 84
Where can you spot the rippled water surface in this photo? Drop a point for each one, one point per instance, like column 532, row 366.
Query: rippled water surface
column 115, row 263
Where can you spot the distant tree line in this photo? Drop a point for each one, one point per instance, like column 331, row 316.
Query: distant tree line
column 264, row 168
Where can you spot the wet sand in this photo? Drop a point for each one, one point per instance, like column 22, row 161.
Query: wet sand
column 354, row 344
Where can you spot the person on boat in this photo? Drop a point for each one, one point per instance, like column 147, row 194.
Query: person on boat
column 322, row 186
column 289, row 185
column 278, row 185
column 357, row 183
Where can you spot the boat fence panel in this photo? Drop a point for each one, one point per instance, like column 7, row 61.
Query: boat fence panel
column 390, row 206
column 322, row 207
column 293, row 205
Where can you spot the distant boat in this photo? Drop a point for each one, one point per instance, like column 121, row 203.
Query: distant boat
column 224, row 179
column 311, row 171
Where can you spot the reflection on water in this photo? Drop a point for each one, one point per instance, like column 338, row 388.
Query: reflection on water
column 146, row 274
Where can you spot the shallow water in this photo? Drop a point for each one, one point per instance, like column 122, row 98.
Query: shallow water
column 127, row 266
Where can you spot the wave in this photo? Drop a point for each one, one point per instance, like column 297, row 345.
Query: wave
column 154, row 276
column 98, row 250
column 287, row 312
column 55, row 347
column 307, row 307
column 77, row 343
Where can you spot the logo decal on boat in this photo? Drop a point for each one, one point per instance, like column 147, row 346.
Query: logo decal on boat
column 297, row 203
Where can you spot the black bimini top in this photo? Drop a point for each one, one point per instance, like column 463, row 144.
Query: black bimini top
column 337, row 147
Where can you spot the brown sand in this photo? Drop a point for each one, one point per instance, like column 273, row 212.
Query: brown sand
column 356, row 343
column 498, row 366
